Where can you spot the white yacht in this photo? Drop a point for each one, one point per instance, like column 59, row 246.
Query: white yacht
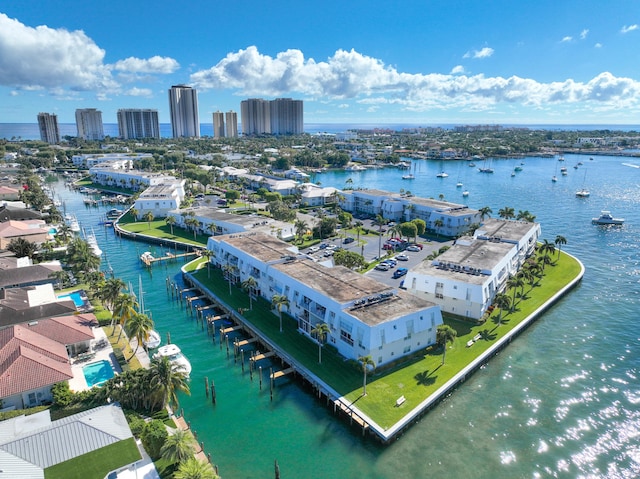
column 146, row 257
column 175, row 356
column 408, row 177
column 154, row 340
column 606, row 218
column 442, row 175
column 583, row 193
column 93, row 243
column 72, row 221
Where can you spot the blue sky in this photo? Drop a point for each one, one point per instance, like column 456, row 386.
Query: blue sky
column 420, row 62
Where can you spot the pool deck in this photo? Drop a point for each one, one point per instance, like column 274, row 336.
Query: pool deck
column 78, row 382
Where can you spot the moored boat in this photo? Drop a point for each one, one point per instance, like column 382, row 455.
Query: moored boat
column 175, row 356
column 154, row 340
column 606, row 219
column 408, row 177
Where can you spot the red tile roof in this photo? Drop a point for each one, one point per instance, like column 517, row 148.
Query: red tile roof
column 66, row 329
column 25, row 369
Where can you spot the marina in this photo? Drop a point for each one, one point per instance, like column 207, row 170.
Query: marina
column 519, row 386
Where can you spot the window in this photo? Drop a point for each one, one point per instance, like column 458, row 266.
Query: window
column 439, row 285
column 439, row 296
column 346, row 337
column 406, row 349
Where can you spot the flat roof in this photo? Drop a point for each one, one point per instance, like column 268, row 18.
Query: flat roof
column 220, row 215
column 261, row 246
column 505, row 229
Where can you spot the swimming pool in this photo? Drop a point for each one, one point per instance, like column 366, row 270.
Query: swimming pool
column 98, row 372
column 76, row 297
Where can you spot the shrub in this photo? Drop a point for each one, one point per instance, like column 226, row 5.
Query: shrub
column 136, row 424
column 153, row 436
column 62, row 395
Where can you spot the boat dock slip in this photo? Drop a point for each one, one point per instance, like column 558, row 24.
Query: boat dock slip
column 258, row 357
column 244, row 342
column 231, row 330
column 195, row 298
column 279, row 374
column 352, row 415
column 216, row 318
column 150, row 260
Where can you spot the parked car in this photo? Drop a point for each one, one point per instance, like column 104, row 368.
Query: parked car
column 382, row 267
column 323, row 245
column 328, row 253
column 399, row 272
column 417, row 245
column 413, row 248
column 313, row 249
column 402, row 257
column 348, row 240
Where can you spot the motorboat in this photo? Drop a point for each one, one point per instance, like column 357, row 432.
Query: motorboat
column 582, row 193
column 146, row 257
column 176, row 358
column 114, row 214
column 459, row 184
column 442, row 175
column 154, row 340
column 408, row 177
column 93, row 243
column 554, row 178
column 561, row 158
column 485, row 170
column 72, row 221
column 465, row 193
column 606, row 218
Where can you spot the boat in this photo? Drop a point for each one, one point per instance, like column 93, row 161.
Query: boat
column 518, row 168
column 408, row 177
column 146, row 257
column 472, row 164
column 606, row 219
column 114, row 214
column 354, row 168
column 554, row 178
column 561, row 158
column 485, row 170
column 459, row 184
column 513, row 173
column 583, row 192
column 442, row 174
column 465, row 193
column 72, row 221
column 153, row 341
column 176, row 358
column 93, row 243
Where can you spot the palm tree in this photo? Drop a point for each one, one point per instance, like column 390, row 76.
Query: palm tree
column 559, row 241
column 148, row 217
column 228, row 271
column 503, row 302
column 358, row 227
column 249, row 284
column 525, row 216
column 514, row 282
column 546, row 249
column 22, row 248
column 139, row 326
column 301, row 228
column 506, row 213
column 321, row 330
column 110, row 291
column 81, row 257
column 124, row 307
column 485, row 212
column 178, row 447
column 438, row 224
column 366, row 361
column 193, row 223
column 280, row 301
column 212, row 227
column 208, row 254
column 445, row 334
column 170, row 220
column 192, row 468
column 165, row 381
column 134, row 212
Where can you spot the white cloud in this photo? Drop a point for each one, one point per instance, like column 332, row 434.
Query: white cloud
column 156, row 64
column 350, row 74
column 598, row 45
column 486, row 52
column 584, row 33
column 628, row 28
column 47, row 57
column 457, row 69
column 566, row 39
column 145, row 92
column 343, row 105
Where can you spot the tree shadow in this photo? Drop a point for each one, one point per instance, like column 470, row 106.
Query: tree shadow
column 426, row 378
column 487, row 335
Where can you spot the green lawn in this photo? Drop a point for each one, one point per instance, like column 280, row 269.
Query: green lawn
column 417, row 377
column 160, row 229
column 97, row 463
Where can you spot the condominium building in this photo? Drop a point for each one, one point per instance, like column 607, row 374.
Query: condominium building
column 134, row 123
column 183, row 104
column 218, row 124
column 231, row 119
column 256, row 117
column 89, row 124
column 286, row 116
column 282, row 116
column 364, row 316
column 48, row 125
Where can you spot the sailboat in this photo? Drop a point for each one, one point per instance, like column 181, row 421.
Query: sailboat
column 485, row 169
column 154, row 339
column 583, row 192
column 554, row 178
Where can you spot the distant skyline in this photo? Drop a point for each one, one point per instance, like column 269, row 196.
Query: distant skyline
column 415, row 62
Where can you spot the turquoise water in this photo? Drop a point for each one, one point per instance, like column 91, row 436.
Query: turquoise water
column 76, row 297
column 98, row 372
column 561, row 401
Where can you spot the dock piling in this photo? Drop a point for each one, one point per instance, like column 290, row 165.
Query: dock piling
column 206, row 386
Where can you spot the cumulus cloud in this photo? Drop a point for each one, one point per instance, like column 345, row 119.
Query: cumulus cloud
column 47, row 57
column 135, row 91
column 457, row 69
column 566, row 39
column 584, row 33
column 598, row 45
column 486, row 52
column 352, row 75
column 156, row 64
column 628, row 28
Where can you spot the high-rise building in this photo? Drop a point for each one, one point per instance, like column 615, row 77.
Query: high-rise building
column 89, row 124
column 231, row 118
column 183, row 103
column 48, row 124
column 256, row 118
column 218, row 124
column 286, row 116
column 135, row 123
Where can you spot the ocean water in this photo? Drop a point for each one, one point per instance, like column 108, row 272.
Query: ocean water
column 29, row 131
column 563, row 400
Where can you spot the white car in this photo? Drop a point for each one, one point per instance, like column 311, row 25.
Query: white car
column 413, row 248
column 313, row 249
column 402, row 257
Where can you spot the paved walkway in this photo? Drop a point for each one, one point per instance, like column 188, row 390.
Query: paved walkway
column 100, row 350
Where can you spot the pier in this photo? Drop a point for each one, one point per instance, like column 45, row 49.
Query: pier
column 149, row 260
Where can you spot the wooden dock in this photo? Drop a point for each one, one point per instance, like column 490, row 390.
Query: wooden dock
column 279, row 374
column 150, row 260
column 259, row 357
column 349, row 412
column 231, row 330
column 244, row 342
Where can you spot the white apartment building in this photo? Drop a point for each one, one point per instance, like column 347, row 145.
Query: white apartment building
column 138, row 123
column 256, row 116
column 465, row 279
column 121, row 173
column 48, row 126
column 365, row 317
column 231, row 127
column 183, row 106
column 89, row 124
column 218, row 124
column 161, row 199
column 444, row 218
column 227, row 223
column 314, row 195
column 89, row 160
